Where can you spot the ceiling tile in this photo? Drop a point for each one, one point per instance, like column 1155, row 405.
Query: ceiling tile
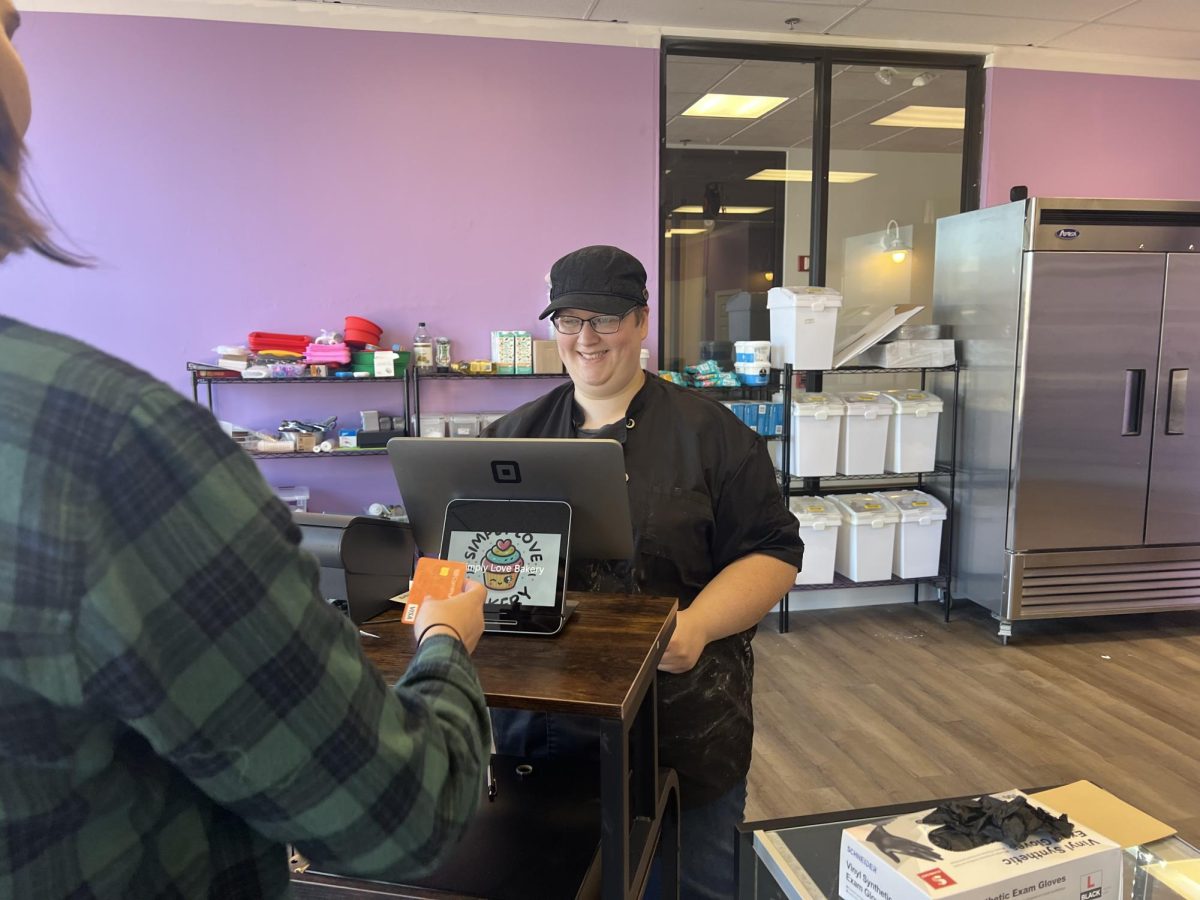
column 770, row 79
column 781, row 129
column 1062, row 10
column 1126, row 39
column 950, row 27
column 554, row 9
column 739, row 15
column 915, row 140
column 686, row 73
column 1180, row 14
column 700, row 131
column 678, row 101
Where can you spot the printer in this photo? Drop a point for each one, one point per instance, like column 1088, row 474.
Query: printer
column 365, row 561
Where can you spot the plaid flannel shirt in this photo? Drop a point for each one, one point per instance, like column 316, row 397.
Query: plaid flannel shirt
column 176, row 700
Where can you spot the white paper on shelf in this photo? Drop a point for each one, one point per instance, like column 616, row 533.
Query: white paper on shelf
column 888, row 320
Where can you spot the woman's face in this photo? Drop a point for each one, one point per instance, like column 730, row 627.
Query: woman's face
column 14, row 89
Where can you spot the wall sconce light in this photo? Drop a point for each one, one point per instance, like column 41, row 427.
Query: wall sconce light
column 885, row 74
column 769, row 276
column 923, row 78
column 894, row 245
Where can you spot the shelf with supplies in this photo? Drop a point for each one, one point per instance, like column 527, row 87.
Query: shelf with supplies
column 418, row 377
column 209, row 376
column 941, row 450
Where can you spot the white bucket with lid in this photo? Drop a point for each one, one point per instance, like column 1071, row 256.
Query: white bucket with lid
column 863, row 443
column 803, row 322
column 819, row 520
column 866, row 538
column 816, row 432
column 912, row 430
column 917, row 549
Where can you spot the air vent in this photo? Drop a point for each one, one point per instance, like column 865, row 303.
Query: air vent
column 1106, row 588
column 1156, row 218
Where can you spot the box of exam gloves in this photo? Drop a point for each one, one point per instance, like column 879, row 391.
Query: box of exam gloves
column 895, row 860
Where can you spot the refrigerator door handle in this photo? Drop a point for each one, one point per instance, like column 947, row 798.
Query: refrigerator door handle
column 1135, row 396
column 1177, row 401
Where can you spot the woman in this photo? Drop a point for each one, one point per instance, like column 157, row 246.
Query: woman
column 177, row 700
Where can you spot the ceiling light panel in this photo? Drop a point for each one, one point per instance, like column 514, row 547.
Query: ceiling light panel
column 925, row 117
column 731, row 210
column 733, row 106
column 807, row 175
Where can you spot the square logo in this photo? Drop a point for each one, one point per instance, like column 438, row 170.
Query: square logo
column 1091, row 886
column 506, row 471
column 936, row 878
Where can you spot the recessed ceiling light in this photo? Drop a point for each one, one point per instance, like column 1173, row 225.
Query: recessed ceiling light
column 733, row 106
column 807, row 175
column 731, row 210
column 925, row 117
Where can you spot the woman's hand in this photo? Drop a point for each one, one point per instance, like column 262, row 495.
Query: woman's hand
column 687, row 643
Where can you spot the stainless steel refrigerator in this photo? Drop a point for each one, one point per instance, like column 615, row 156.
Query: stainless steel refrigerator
column 1078, row 483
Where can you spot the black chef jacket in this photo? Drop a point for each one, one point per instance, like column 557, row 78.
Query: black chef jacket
column 702, row 494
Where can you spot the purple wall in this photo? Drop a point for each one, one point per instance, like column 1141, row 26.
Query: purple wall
column 232, row 178
column 1068, row 134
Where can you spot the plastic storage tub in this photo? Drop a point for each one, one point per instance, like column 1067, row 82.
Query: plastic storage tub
column 862, row 447
column 816, row 432
column 803, row 321
column 461, row 425
column 912, row 430
column 819, row 520
column 753, row 374
column 917, row 550
column 866, row 538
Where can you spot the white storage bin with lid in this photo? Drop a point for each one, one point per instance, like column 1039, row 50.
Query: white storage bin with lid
column 819, row 519
column 912, row 430
column 803, row 322
column 866, row 537
column 816, row 430
column 862, row 446
column 918, row 545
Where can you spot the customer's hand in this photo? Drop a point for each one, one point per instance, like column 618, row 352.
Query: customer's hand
column 462, row 613
column 889, row 845
column 687, row 643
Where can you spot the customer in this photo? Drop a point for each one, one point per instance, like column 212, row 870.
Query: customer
column 710, row 527
column 177, row 700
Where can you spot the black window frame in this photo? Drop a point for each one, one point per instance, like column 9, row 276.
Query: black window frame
column 824, row 59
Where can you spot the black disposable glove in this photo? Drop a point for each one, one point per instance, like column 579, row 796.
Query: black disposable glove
column 889, row 845
column 972, row 823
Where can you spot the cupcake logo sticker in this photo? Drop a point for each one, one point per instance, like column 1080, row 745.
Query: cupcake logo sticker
column 502, row 566
column 518, row 569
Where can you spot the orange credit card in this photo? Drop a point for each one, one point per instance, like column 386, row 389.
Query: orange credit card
column 436, row 579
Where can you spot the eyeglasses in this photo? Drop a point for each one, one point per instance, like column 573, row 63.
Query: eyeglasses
column 600, row 324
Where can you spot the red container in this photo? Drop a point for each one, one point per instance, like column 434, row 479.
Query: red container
column 359, row 324
column 358, row 336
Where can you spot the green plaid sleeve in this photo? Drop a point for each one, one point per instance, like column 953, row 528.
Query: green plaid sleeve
column 203, row 630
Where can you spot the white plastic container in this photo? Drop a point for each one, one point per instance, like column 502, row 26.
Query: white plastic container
column 294, row 495
column 752, row 352
column 432, row 425
column 912, row 430
column 816, row 432
column 803, row 322
column 819, row 521
column 917, row 550
column 866, row 539
column 863, row 442
column 753, row 374
column 461, row 425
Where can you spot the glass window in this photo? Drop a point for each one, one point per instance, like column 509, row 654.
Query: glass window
column 728, row 121
column 738, row 194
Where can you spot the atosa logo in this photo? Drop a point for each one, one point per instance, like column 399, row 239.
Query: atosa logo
column 1067, row 234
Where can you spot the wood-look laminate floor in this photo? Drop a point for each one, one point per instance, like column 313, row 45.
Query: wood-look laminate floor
column 889, row 704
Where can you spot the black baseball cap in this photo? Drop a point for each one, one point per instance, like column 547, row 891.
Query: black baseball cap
column 600, row 279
